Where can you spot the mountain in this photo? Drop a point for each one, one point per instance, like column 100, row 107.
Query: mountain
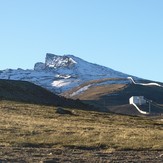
column 62, row 73
column 99, row 86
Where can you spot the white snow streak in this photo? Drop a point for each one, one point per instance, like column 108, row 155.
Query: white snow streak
column 81, row 90
column 145, row 84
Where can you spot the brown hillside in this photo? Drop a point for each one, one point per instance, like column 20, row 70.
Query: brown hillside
column 117, row 96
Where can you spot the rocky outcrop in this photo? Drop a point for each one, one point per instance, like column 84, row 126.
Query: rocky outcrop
column 55, row 61
column 39, row 66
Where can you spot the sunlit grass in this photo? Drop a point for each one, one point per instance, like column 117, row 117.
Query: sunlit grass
column 40, row 126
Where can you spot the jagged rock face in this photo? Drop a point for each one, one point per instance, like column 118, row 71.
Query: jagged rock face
column 39, row 66
column 55, row 61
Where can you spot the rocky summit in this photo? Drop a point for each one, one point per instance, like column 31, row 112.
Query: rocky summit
column 54, row 61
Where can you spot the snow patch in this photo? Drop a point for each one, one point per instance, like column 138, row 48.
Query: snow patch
column 81, row 90
column 60, row 83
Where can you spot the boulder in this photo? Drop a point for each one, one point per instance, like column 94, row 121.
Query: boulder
column 63, row 111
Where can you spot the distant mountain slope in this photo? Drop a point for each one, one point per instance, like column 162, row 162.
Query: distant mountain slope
column 115, row 96
column 27, row 92
column 61, row 73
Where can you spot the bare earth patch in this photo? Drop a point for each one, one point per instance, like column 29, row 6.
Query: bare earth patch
column 49, row 155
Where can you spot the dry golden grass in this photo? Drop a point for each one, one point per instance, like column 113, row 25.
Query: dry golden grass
column 94, row 93
column 39, row 126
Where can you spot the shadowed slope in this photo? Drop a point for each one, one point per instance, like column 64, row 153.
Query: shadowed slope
column 27, row 92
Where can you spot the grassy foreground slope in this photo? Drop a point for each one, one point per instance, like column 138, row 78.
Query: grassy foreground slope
column 28, row 125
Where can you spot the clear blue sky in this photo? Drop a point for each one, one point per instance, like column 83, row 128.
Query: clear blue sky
column 126, row 35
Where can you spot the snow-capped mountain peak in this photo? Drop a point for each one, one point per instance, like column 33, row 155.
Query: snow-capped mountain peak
column 61, row 73
column 53, row 61
column 56, row 61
